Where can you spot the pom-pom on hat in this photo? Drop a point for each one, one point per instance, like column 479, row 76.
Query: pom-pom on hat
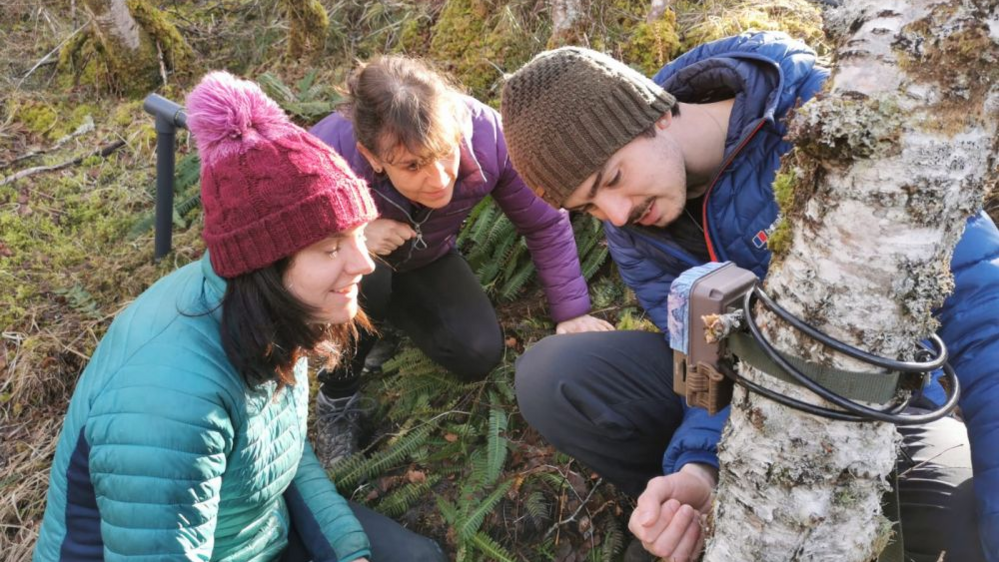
column 268, row 187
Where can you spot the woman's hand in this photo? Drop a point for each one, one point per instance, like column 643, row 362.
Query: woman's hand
column 584, row 323
column 385, row 235
column 667, row 518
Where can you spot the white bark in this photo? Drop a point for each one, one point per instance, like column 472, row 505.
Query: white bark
column 656, row 10
column 905, row 145
column 565, row 14
column 114, row 19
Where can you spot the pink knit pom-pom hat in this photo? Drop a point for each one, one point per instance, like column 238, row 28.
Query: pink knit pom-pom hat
column 268, row 187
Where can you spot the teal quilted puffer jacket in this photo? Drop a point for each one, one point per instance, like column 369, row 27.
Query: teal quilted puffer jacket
column 166, row 454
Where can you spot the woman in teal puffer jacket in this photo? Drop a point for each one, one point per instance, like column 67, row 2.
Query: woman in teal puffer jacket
column 185, row 437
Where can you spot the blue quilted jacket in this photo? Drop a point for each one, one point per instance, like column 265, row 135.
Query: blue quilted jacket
column 166, row 454
column 770, row 74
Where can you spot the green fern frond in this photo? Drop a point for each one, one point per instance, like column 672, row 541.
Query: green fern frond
column 448, row 510
column 308, row 103
column 546, row 550
column 505, row 247
column 515, row 258
column 384, row 459
column 188, row 205
column 275, row 88
column 472, row 221
column 407, row 358
column 478, row 475
column 484, row 222
column 408, row 404
column 486, row 242
column 492, row 549
column 473, row 520
column 591, row 264
column 400, row 500
column 187, row 174
column 514, row 283
column 495, row 445
column 537, row 507
column 613, row 540
column 585, row 243
column 554, row 480
column 503, row 381
column 142, row 226
column 502, row 229
column 487, row 273
column 345, row 466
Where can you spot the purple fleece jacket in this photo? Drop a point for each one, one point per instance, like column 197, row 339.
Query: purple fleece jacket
column 485, row 169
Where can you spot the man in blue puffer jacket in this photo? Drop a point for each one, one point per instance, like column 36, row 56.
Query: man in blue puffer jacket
column 680, row 170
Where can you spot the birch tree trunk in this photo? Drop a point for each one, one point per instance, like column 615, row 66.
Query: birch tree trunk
column 890, row 163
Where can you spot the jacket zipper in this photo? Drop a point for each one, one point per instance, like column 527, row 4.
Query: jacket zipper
column 707, row 194
column 417, row 243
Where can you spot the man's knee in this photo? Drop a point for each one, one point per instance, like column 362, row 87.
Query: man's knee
column 538, row 373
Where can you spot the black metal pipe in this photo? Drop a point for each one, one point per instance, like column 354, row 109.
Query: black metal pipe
column 169, row 116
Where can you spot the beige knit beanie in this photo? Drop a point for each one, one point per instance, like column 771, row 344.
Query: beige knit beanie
column 568, row 110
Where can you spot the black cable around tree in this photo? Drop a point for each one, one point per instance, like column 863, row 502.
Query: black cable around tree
column 855, row 412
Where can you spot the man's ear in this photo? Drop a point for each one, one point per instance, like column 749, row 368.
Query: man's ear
column 665, row 121
column 374, row 161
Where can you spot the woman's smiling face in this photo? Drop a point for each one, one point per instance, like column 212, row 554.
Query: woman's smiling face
column 325, row 275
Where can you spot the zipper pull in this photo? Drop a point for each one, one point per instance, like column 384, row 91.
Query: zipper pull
column 419, row 243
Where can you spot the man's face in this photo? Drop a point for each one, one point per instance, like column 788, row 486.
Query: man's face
column 645, row 182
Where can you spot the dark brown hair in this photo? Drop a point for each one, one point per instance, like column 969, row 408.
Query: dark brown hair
column 265, row 329
column 398, row 101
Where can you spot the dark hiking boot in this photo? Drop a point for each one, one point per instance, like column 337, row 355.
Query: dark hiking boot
column 338, row 426
column 383, row 350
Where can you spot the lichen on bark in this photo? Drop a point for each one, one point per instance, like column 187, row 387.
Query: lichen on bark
column 877, row 194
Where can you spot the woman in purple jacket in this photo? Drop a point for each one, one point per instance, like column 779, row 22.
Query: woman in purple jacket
column 430, row 154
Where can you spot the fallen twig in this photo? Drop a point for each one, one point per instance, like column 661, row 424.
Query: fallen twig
column 104, row 151
column 86, row 127
column 581, row 507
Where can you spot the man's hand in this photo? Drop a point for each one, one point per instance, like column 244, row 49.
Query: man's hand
column 668, row 517
column 385, row 235
column 584, row 323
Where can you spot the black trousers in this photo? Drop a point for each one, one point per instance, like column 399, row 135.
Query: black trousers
column 390, row 541
column 607, row 399
column 441, row 307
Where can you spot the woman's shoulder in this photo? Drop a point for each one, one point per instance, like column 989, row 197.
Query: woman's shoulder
column 171, row 330
column 481, row 114
column 336, row 131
